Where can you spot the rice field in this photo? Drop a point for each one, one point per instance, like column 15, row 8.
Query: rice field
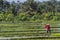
column 29, row 29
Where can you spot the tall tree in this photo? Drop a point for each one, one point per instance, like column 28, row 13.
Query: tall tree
column 13, row 5
column 30, row 5
column 1, row 3
column 54, row 6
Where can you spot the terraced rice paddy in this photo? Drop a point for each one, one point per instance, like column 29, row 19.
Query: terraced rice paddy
column 29, row 29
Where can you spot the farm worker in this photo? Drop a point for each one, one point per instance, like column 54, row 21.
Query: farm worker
column 48, row 28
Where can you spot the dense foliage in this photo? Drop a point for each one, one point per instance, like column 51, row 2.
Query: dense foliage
column 30, row 10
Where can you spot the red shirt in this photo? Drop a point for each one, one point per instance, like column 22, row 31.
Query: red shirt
column 47, row 27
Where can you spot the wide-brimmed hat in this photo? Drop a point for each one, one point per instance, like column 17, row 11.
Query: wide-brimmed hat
column 47, row 24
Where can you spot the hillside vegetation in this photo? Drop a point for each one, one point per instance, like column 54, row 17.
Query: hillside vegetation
column 30, row 10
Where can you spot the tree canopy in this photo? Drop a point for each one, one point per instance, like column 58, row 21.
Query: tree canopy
column 29, row 10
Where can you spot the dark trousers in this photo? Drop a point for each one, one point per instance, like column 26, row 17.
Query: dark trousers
column 49, row 31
